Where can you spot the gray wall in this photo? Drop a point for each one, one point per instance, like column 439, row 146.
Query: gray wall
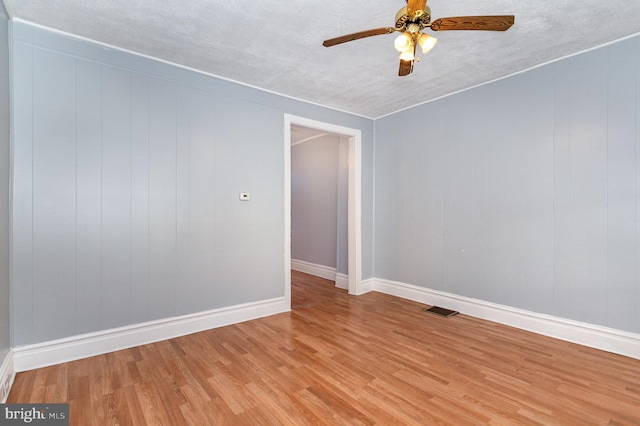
column 5, row 202
column 318, row 205
column 342, row 255
column 127, row 175
column 523, row 192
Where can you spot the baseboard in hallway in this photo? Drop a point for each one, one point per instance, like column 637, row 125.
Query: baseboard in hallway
column 322, row 271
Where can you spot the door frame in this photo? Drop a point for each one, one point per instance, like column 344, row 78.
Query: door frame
column 354, row 205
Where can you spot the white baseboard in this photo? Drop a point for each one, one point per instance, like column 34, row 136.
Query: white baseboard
column 321, row 271
column 82, row 346
column 326, row 272
column 607, row 339
column 7, row 374
column 29, row 357
column 342, row 281
column 368, row 285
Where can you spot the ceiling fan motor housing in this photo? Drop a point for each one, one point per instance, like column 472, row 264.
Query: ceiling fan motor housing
column 421, row 18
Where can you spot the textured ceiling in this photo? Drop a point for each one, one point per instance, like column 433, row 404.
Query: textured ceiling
column 277, row 45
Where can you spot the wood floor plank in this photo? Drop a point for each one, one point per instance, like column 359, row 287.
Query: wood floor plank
column 341, row 359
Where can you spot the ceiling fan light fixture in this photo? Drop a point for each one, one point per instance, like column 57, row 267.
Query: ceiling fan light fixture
column 415, row 17
column 407, row 56
column 403, row 42
column 426, row 42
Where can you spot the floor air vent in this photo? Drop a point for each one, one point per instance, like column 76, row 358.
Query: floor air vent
column 443, row 312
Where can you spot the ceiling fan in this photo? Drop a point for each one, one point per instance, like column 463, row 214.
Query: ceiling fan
column 416, row 16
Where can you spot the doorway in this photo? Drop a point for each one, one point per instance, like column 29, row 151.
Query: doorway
column 354, row 275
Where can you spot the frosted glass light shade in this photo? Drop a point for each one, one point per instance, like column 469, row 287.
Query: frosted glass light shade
column 426, row 42
column 407, row 56
column 403, row 42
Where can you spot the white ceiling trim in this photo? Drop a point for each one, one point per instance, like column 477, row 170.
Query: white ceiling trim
column 277, row 48
column 513, row 74
column 184, row 67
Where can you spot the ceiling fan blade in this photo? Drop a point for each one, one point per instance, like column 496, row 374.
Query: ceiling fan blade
column 413, row 5
column 486, row 23
column 355, row 36
column 406, row 67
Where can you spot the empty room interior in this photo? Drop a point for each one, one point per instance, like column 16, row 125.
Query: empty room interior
column 267, row 213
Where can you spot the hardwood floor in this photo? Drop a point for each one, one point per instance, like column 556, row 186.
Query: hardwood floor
column 308, row 289
column 340, row 359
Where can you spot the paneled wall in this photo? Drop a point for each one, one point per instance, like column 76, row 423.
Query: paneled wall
column 5, row 202
column 127, row 180
column 524, row 192
column 342, row 255
column 319, row 181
